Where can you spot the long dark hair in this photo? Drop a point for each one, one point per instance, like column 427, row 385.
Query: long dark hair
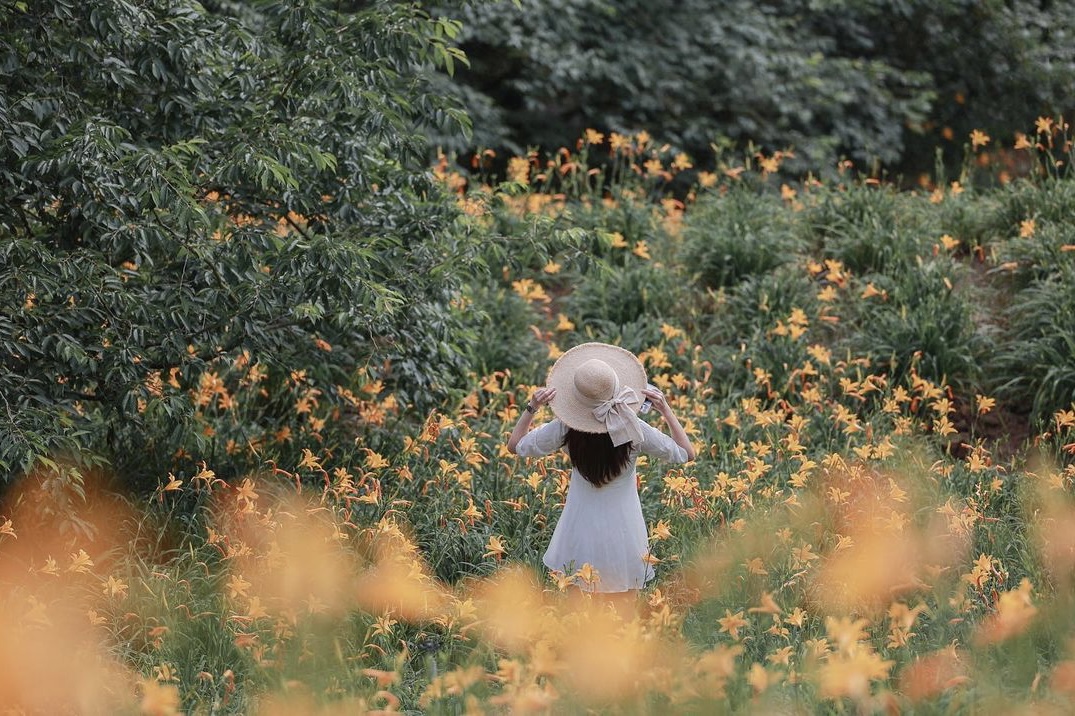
column 595, row 457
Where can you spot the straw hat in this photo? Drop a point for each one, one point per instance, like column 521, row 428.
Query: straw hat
column 599, row 390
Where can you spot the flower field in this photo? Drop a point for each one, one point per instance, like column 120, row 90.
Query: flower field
column 881, row 517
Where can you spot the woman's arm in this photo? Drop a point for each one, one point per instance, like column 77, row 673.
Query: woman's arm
column 678, row 434
column 526, row 416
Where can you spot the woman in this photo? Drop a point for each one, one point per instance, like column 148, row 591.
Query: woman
column 596, row 390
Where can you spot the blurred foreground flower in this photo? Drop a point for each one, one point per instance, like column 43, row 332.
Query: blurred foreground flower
column 934, row 674
column 1013, row 615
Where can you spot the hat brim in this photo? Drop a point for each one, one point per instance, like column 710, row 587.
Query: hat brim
column 571, row 408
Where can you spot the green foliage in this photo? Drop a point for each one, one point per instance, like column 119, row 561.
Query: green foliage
column 738, row 73
column 920, row 323
column 627, row 301
column 992, row 65
column 874, row 81
column 187, row 185
column 869, row 228
column 1047, row 209
column 976, row 220
column 729, row 237
column 507, row 343
column 1036, row 365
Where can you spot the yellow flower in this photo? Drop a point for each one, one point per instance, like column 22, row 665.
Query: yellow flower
column 619, row 143
column 732, row 623
column 707, row 179
column 165, row 672
column 563, row 323
column 796, row 618
column 978, row 139
column 846, row 632
column 827, row 294
column 617, row 241
column 530, row 290
column 80, row 563
column 245, row 491
column 1043, row 125
column 115, row 587
column 382, row 626
column 850, row 675
column 870, row 291
column 237, row 586
column 1026, row 228
column 173, row 484
column 641, row 250
column 519, row 170
column 670, row 331
column 768, row 605
column 1022, row 142
column 588, row 574
column 471, row 513
column 159, row 699
column 374, row 460
column 8, row 529
column 309, row 460
column 769, row 165
column 255, row 610
column 1013, row 615
column 756, row 566
column 495, row 548
column 758, row 678
column 781, row 655
column 682, row 161
column 653, row 166
column 552, row 267
column 802, row 556
column 660, row 531
column 719, row 662
column 1064, row 419
column 592, row 136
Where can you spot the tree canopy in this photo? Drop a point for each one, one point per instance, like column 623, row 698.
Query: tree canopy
column 186, row 184
column 878, row 81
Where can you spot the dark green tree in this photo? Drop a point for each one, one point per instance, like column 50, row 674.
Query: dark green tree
column 877, row 81
column 184, row 183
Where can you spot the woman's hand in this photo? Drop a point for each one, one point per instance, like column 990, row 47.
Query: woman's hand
column 656, row 399
column 679, row 435
column 542, row 396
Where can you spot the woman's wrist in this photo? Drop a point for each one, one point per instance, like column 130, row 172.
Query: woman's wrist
column 530, row 408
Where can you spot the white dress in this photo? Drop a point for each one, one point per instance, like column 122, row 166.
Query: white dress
column 602, row 526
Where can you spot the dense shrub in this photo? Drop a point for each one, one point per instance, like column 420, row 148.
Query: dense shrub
column 731, row 236
column 920, row 323
column 869, row 228
column 187, row 188
column 1038, row 361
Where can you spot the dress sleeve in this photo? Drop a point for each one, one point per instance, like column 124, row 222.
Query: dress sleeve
column 542, row 440
column 660, row 445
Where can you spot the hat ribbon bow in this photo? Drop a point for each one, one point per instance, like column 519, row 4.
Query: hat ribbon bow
column 619, row 419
